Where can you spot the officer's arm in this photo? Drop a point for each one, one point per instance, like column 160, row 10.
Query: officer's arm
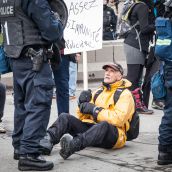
column 40, row 12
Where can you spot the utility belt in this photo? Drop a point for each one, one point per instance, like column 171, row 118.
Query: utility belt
column 38, row 56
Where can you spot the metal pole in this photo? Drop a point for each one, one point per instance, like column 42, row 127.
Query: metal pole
column 85, row 70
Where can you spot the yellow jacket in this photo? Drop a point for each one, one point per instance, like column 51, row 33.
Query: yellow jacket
column 118, row 114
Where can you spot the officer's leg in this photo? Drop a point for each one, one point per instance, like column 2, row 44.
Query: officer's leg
column 61, row 77
column 19, row 111
column 100, row 135
column 39, row 91
column 165, row 129
column 65, row 123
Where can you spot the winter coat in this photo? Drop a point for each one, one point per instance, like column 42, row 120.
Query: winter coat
column 117, row 114
column 141, row 13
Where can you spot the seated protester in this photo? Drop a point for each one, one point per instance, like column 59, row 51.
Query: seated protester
column 100, row 122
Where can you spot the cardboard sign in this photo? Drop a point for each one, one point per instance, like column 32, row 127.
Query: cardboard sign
column 83, row 31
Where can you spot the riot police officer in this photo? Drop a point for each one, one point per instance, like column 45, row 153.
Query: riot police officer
column 109, row 22
column 165, row 128
column 29, row 29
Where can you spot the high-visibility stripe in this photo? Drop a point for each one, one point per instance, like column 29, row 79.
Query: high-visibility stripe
column 163, row 42
column 6, row 33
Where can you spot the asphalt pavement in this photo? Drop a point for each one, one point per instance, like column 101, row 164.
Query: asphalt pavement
column 138, row 155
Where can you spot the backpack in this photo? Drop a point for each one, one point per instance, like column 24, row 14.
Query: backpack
column 163, row 47
column 4, row 62
column 133, row 131
column 157, row 84
column 124, row 26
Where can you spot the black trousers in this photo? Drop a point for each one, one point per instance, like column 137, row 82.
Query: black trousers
column 134, row 75
column 102, row 134
column 146, row 87
column 32, row 100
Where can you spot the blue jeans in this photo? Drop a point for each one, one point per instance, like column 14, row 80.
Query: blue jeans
column 33, row 93
column 61, row 77
column 72, row 78
column 165, row 129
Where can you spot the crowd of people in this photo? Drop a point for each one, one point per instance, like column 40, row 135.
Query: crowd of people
column 100, row 122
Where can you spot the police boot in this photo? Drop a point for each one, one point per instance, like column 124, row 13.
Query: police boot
column 164, row 158
column 69, row 146
column 34, row 162
column 46, row 144
column 140, row 106
column 16, row 154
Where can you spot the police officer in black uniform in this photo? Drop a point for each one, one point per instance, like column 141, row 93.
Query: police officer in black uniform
column 29, row 29
column 165, row 128
column 109, row 22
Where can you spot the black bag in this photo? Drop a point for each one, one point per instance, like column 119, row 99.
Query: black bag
column 133, row 131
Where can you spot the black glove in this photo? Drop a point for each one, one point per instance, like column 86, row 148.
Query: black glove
column 85, row 96
column 56, row 57
column 87, row 108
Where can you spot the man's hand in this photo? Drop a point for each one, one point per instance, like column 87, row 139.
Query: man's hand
column 85, row 96
column 87, row 108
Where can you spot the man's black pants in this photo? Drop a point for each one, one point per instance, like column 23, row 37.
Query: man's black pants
column 102, row 134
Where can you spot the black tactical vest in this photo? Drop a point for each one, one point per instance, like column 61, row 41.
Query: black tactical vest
column 18, row 30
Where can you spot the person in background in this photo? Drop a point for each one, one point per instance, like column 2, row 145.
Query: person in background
column 152, row 63
column 61, row 78
column 2, row 104
column 114, row 5
column 136, row 46
column 109, row 22
column 73, row 69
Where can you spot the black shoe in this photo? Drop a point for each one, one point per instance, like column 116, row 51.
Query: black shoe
column 46, row 145
column 164, row 158
column 158, row 105
column 37, row 163
column 16, row 155
column 144, row 111
column 69, row 146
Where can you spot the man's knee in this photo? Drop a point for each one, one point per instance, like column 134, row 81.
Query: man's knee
column 104, row 124
column 64, row 115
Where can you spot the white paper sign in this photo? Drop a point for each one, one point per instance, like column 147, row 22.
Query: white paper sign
column 83, row 31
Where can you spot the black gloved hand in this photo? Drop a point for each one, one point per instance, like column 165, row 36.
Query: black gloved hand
column 56, row 57
column 87, row 108
column 85, row 96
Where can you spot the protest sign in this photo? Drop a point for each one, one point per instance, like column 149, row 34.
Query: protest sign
column 83, row 31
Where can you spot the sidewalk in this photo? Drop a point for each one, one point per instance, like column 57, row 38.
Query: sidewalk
column 138, row 155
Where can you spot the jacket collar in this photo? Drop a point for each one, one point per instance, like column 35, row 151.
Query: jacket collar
column 114, row 85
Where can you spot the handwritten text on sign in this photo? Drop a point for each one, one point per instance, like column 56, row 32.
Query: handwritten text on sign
column 83, row 31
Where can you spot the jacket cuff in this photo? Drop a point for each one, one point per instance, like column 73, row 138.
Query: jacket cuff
column 96, row 111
